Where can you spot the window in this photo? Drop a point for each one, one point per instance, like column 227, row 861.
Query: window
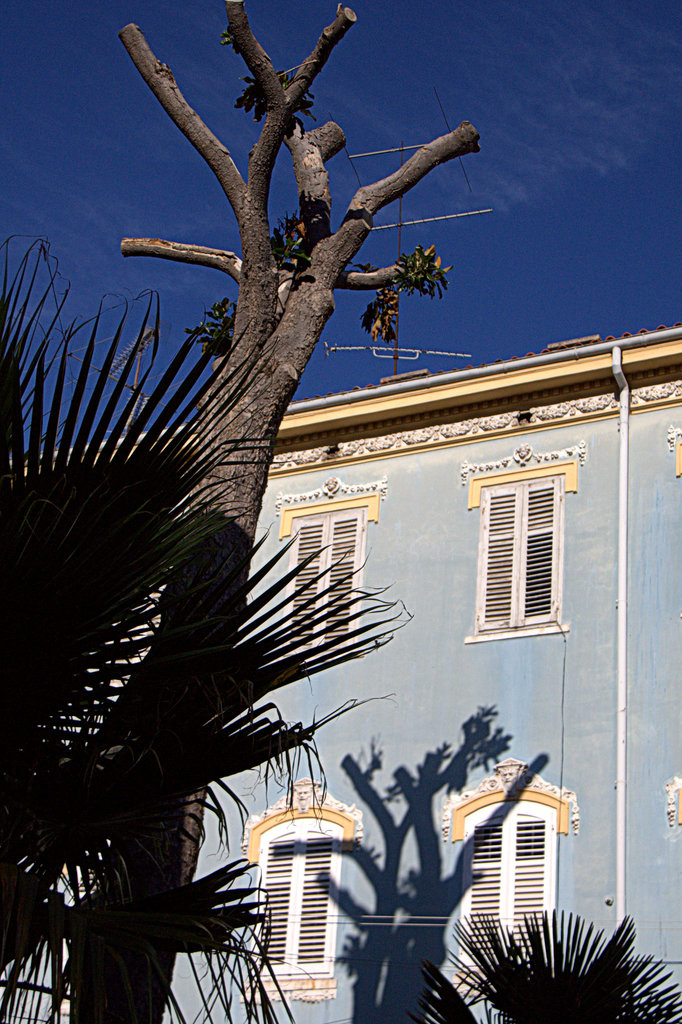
column 336, row 540
column 509, row 825
column 300, row 861
column 299, row 844
column 520, row 554
column 510, row 861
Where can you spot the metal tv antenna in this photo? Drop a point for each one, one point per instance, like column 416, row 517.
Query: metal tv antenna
column 149, row 336
column 407, row 353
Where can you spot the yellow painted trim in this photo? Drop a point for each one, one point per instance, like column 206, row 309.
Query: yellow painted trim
column 369, row 501
column 468, row 439
column 537, row 385
column 318, row 813
column 562, row 807
column 567, row 469
column 678, row 458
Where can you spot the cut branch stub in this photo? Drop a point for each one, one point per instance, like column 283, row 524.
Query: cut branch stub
column 310, row 68
column 181, row 252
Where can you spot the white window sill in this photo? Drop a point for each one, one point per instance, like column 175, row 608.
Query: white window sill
column 509, row 634
column 307, row 989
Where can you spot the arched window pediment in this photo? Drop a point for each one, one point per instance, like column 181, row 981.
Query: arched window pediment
column 511, row 781
column 307, row 799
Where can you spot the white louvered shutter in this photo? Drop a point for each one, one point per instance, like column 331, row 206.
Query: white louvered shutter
column 339, row 537
column 510, row 860
column 486, row 869
column 498, row 558
column 309, row 541
column 543, row 502
column 530, row 868
column 301, row 864
column 520, row 554
column 315, row 901
column 277, row 877
column 346, row 552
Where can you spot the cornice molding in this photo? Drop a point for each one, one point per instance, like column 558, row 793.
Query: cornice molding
column 378, row 442
column 657, row 392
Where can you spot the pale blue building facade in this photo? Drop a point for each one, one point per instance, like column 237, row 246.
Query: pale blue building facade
column 517, row 746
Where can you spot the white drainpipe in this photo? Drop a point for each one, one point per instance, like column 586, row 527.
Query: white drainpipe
column 622, row 626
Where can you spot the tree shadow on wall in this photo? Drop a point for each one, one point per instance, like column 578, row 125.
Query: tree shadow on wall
column 411, row 906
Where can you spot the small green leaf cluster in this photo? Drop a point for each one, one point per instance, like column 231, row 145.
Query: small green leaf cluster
column 216, row 330
column 288, row 244
column 253, row 97
column 227, row 39
column 420, row 271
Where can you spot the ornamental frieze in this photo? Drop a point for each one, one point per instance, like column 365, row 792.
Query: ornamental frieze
column 331, row 489
column 523, row 456
column 510, row 777
column 474, row 427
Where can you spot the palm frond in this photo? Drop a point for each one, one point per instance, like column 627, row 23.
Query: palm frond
column 559, row 968
column 440, row 1002
column 139, row 660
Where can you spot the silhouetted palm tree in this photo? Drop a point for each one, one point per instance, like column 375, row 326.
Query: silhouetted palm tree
column 553, row 969
column 137, row 666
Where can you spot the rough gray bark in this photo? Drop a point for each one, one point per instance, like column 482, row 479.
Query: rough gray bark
column 279, row 317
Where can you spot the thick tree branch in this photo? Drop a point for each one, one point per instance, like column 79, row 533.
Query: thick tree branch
column 358, row 280
column 263, row 155
column 159, row 78
column 310, row 68
column 372, row 198
column 329, row 138
column 336, row 252
column 253, row 54
column 314, row 197
column 219, row 259
column 281, row 104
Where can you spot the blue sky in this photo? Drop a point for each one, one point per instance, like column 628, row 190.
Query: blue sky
column 579, row 108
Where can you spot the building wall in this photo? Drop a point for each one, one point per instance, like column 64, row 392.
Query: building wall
column 440, row 712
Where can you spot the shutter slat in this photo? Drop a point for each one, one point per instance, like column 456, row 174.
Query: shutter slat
column 486, row 870
column 529, row 878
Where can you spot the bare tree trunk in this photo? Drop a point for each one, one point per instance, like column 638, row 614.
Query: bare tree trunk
column 280, row 314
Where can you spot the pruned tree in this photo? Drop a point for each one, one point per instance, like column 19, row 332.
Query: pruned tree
column 286, row 278
column 285, row 296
